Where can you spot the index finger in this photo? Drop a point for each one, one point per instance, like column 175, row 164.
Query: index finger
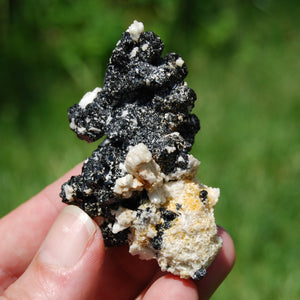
column 23, row 230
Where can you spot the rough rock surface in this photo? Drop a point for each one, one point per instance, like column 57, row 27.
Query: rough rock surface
column 140, row 183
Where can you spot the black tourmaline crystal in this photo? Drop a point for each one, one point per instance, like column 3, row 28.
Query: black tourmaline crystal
column 144, row 99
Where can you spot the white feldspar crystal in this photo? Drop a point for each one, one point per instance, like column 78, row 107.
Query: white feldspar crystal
column 80, row 130
column 145, row 47
column 135, row 29
column 69, row 192
column 124, row 218
column 157, row 196
column 89, row 97
column 189, row 172
column 179, row 62
column 189, row 243
column 134, row 52
column 126, row 185
column 140, row 164
column 94, row 129
column 72, row 124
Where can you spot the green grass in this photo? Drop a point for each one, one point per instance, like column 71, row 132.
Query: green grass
column 247, row 82
column 250, row 147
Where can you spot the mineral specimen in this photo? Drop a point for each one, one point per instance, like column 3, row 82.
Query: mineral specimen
column 140, row 184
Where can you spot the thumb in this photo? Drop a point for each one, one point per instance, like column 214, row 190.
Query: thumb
column 68, row 263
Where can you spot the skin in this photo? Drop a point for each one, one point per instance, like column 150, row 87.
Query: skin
column 27, row 272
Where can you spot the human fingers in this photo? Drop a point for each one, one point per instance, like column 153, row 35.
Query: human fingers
column 126, row 272
column 23, row 230
column 68, row 263
column 167, row 286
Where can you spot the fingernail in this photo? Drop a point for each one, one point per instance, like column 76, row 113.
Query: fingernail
column 68, row 238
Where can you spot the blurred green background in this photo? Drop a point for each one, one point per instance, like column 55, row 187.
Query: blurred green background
column 244, row 64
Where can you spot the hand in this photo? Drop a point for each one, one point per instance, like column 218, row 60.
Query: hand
column 50, row 251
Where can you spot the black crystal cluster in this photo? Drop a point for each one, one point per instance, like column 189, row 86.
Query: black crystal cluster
column 144, row 99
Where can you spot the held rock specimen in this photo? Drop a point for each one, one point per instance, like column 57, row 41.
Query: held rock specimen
column 140, row 183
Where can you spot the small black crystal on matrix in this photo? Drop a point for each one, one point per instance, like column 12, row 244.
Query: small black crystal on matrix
column 140, row 184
